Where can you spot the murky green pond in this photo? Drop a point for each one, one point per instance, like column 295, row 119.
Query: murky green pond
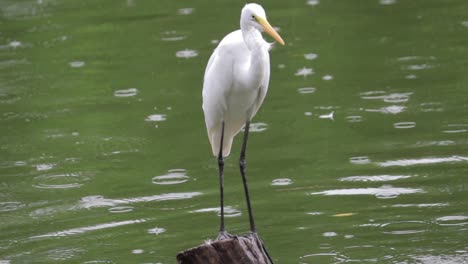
column 359, row 154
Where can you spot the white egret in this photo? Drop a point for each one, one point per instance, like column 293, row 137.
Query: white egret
column 234, row 87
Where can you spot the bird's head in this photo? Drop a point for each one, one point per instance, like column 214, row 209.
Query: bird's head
column 253, row 16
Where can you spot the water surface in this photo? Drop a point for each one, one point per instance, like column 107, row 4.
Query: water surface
column 359, row 154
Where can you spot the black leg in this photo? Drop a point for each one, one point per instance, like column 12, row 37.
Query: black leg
column 244, row 179
column 221, row 183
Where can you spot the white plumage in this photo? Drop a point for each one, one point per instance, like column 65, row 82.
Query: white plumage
column 236, row 78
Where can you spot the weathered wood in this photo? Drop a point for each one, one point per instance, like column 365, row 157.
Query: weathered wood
column 246, row 249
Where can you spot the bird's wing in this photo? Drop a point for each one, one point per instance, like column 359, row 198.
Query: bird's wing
column 262, row 91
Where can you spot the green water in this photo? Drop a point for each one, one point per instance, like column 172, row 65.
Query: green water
column 104, row 156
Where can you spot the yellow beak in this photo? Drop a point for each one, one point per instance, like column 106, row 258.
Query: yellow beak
column 269, row 29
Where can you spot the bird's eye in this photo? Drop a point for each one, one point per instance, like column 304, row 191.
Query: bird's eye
column 253, row 17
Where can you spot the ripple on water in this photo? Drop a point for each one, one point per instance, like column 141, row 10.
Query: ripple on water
column 304, row 72
column 281, row 182
column 126, row 92
column 423, row 161
column 99, row 201
column 431, row 107
column 60, row 181
column 63, row 253
column 175, row 176
column 353, row 254
column 456, row 258
column 85, row 229
column 156, row 231
column 185, row 11
column 172, row 36
column 421, row 205
column 384, row 192
column 327, row 77
column 354, row 119
column 452, row 220
column 456, row 128
column 229, row 211
column 387, row 2
column 120, row 209
column 313, row 2
column 306, row 90
column 404, row 125
column 404, row 227
column 359, row 160
column 391, row 109
column 45, row 167
column 388, row 98
column 310, row 56
column 374, row 178
column 10, row 206
column 186, row 53
column 156, row 118
column 257, row 127
column 77, row 64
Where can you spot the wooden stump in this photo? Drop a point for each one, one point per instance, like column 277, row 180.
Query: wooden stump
column 246, row 249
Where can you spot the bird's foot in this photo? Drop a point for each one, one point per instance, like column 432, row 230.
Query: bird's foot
column 223, row 235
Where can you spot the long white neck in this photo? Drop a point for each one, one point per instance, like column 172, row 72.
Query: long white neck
column 259, row 57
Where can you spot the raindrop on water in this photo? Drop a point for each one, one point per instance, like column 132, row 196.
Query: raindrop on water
column 387, row 2
column 304, row 72
column 185, row 11
column 156, row 230
column 155, row 118
column 126, row 92
column 327, row 77
column 281, row 182
column 404, row 125
column 175, row 176
column 306, row 90
column 310, row 56
column 187, row 53
column 76, row 64
column 313, row 2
